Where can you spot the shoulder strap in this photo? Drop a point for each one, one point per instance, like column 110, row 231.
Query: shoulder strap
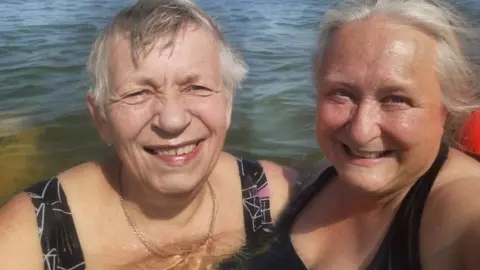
column 307, row 178
column 309, row 182
column 473, row 155
column 401, row 244
column 58, row 236
column 256, row 202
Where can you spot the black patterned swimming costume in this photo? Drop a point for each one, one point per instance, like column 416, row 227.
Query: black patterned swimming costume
column 61, row 246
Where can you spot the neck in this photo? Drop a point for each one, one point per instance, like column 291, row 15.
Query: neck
column 146, row 204
column 355, row 200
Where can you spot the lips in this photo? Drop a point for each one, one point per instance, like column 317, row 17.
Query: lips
column 360, row 154
column 176, row 156
column 171, row 151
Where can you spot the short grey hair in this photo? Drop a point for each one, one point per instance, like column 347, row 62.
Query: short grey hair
column 456, row 44
column 143, row 23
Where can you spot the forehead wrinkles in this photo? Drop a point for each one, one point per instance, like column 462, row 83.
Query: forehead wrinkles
column 181, row 60
column 376, row 51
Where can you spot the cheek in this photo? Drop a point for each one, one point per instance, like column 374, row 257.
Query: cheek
column 213, row 112
column 331, row 117
column 127, row 123
column 416, row 127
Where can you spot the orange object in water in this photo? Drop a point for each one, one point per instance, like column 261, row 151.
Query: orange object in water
column 470, row 133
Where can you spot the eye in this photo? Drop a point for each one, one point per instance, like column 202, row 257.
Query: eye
column 199, row 90
column 137, row 97
column 197, row 87
column 343, row 93
column 397, row 102
column 396, row 99
column 340, row 95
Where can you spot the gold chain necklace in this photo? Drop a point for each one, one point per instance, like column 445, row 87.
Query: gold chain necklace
column 142, row 237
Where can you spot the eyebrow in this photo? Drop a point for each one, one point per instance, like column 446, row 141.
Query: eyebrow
column 142, row 80
column 396, row 85
column 189, row 78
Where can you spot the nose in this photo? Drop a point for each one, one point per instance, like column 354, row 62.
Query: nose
column 172, row 116
column 363, row 125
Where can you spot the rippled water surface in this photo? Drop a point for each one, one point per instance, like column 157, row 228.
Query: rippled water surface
column 44, row 46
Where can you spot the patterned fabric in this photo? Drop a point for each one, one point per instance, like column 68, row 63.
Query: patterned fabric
column 256, row 201
column 58, row 236
column 259, row 227
column 59, row 239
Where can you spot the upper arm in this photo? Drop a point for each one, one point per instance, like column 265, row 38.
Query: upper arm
column 281, row 180
column 466, row 252
column 19, row 240
column 469, row 245
column 460, row 221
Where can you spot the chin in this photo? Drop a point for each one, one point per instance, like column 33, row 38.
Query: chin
column 368, row 179
column 180, row 184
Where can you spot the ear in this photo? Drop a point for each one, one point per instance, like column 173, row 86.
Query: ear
column 99, row 120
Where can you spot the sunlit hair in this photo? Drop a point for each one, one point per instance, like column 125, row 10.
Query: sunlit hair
column 456, row 44
column 143, row 24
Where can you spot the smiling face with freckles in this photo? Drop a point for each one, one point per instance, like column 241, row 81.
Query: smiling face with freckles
column 169, row 112
column 380, row 116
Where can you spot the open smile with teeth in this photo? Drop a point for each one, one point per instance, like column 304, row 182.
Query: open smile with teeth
column 175, row 151
column 366, row 154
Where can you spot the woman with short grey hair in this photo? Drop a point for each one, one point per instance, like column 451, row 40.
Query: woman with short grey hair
column 395, row 78
column 163, row 81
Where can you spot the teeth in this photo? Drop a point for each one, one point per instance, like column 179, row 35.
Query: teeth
column 365, row 154
column 177, row 151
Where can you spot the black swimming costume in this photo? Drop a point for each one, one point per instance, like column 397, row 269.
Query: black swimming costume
column 61, row 246
column 399, row 249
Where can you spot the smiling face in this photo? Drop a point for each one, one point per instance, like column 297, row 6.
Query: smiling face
column 379, row 114
column 169, row 113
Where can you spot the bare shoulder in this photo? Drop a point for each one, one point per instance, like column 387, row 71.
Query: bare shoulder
column 280, row 172
column 87, row 178
column 228, row 161
column 280, row 180
column 451, row 225
column 279, row 176
column 83, row 171
column 451, row 222
column 19, row 233
column 274, row 172
column 19, row 238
